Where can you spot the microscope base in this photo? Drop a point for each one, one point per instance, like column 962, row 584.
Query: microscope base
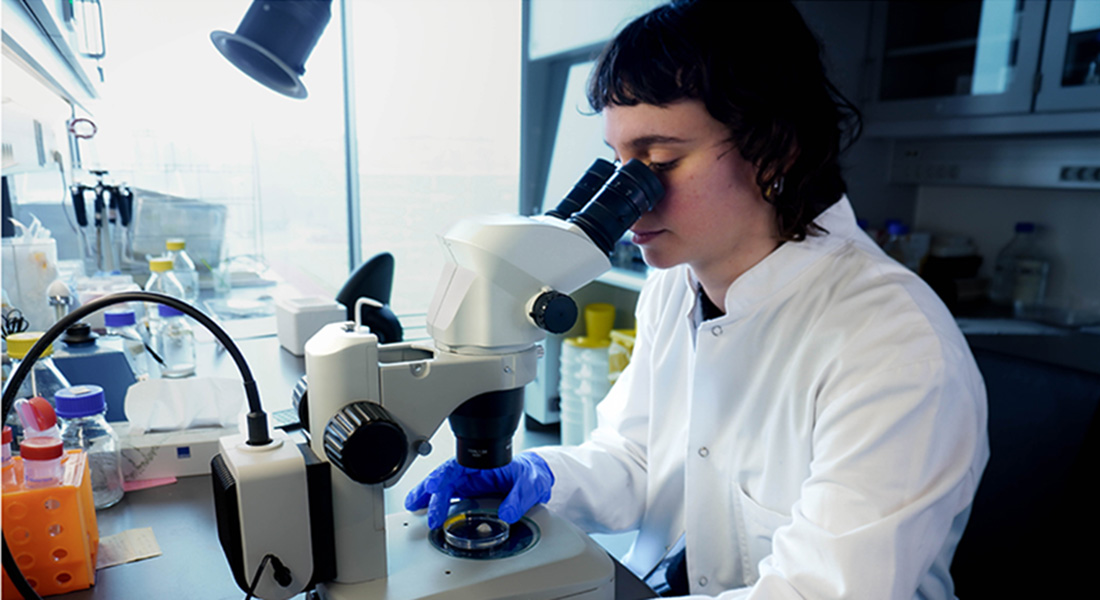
column 564, row 563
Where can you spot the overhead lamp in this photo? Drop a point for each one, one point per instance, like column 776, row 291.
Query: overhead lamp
column 274, row 40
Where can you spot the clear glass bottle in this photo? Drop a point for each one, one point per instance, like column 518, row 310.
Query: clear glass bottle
column 162, row 281
column 122, row 324
column 44, row 379
column 184, row 269
column 174, row 341
column 82, row 410
column 894, row 245
column 1021, row 270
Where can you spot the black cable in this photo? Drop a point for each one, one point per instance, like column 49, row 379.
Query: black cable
column 16, row 576
column 256, row 418
column 282, row 574
column 14, row 322
column 256, row 577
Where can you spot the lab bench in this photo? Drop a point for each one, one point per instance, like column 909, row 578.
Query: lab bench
column 181, row 514
column 1036, row 501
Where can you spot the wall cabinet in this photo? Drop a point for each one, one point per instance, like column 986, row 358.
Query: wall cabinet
column 1070, row 67
column 983, row 67
column 61, row 41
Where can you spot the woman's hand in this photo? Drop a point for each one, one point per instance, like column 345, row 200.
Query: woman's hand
column 526, row 481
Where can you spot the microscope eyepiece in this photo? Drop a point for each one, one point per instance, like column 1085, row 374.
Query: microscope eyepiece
column 584, row 189
column 631, row 191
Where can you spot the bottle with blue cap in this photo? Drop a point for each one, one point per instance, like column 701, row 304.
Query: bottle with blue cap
column 122, row 324
column 1021, row 270
column 82, row 411
column 174, row 341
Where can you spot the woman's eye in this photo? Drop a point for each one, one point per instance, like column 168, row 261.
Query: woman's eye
column 659, row 167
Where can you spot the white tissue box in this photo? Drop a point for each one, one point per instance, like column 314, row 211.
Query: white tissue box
column 168, row 453
column 297, row 319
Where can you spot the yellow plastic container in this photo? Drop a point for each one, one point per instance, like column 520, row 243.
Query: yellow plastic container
column 52, row 532
column 620, row 351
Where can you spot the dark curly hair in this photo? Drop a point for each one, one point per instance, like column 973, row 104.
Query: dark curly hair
column 757, row 68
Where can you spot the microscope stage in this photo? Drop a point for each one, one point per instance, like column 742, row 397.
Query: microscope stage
column 562, row 562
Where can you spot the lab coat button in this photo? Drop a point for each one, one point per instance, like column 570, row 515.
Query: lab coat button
column 716, row 330
column 704, row 452
column 702, row 581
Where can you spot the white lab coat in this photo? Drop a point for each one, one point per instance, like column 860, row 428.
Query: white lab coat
column 822, row 439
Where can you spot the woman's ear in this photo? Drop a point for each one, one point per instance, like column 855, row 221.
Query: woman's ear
column 773, row 175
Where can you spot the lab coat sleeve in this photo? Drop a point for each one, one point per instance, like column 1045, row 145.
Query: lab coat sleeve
column 897, row 459
column 601, row 485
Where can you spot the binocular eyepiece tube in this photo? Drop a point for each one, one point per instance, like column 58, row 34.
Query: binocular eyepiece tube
column 606, row 201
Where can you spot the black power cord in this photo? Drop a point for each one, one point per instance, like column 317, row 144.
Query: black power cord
column 282, row 574
column 256, row 418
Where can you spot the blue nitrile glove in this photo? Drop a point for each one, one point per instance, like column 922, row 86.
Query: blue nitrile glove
column 526, row 481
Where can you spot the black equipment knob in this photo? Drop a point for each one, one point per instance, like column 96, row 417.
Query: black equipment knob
column 79, row 334
column 364, row 442
column 554, row 311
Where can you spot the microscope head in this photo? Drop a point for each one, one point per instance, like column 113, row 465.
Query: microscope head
column 508, row 282
column 507, row 278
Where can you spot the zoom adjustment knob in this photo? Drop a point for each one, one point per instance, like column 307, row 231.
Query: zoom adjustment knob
column 364, row 442
column 554, row 311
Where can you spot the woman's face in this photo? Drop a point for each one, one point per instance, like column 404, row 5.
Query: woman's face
column 713, row 216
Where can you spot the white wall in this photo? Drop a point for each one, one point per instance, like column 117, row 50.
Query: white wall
column 1069, row 222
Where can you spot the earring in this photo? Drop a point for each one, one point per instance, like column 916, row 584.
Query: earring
column 774, row 190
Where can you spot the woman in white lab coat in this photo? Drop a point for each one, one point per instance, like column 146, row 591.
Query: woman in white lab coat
column 801, row 417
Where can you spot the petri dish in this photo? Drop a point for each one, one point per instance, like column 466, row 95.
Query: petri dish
column 475, row 531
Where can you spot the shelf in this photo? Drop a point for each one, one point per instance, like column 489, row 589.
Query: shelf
column 932, row 48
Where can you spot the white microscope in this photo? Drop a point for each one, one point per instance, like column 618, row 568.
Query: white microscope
column 289, row 522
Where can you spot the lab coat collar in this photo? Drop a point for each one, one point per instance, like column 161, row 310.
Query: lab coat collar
column 784, row 265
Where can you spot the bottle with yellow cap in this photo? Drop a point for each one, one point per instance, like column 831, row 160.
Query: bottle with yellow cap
column 171, row 335
column 162, row 280
column 184, row 268
column 44, row 379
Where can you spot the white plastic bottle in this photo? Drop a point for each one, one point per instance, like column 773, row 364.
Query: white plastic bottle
column 82, row 410
column 1021, row 270
column 122, row 324
column 184, row 269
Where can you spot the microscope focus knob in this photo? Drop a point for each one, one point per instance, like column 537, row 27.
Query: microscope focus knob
column 554, row 311
column 299, row 399
column 364, row 442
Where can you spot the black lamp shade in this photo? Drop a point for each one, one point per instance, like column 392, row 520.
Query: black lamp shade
column 274, row 40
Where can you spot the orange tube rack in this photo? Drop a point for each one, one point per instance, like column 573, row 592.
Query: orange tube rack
column 51, row 532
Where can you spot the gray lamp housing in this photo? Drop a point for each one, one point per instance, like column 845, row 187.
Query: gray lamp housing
column 274, row 40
